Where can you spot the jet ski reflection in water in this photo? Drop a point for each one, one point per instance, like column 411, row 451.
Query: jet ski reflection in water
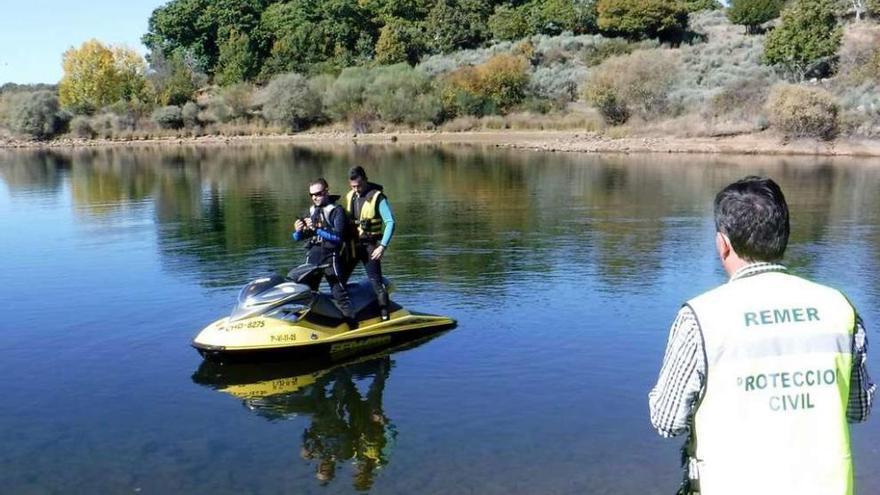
column 282, row 316
column 343, row 399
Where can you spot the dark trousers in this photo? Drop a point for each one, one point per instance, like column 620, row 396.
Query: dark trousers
column 362, row 252
column 333, row 272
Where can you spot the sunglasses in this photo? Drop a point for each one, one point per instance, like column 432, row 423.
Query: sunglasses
column 316, row 194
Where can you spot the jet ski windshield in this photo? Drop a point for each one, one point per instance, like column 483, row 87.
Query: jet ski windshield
column 267, row 293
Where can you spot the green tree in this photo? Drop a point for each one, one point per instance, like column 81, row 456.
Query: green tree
column 97, row 75
column 400, row 40
column 699, row 5
column 457, row 24
column 173, row 81
column 807, row 39
column 509, row 23
column 401, row 94
column 313, row 36
column 641, row 18
column 200, row 27
column 236, row 62
column 552, row 17
column 753, row 13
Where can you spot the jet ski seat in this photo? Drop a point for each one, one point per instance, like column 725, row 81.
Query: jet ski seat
column 361, row 294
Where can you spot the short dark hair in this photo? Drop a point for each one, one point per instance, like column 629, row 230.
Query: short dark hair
column 320, row 180
column 753, row 214
column 357, row 172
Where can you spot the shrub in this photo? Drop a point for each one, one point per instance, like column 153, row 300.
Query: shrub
column 638, row 83
column 800, row 111
column 169, row 117
column 346, row 95
column 492, row 87
column 859, row 56
column 190, row 114
column 597, row 53
column 239, row 99
column 753, row 13
column 808, row 36
column 36, row 114
column 289, row 101
column 81, row 127
column 641, row 18
column 401, row 94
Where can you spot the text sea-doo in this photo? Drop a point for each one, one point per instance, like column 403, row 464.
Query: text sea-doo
column 278, row 316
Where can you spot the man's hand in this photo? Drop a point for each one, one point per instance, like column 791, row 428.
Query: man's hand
column 377, row 253
column 309, row 224
column 299, row 225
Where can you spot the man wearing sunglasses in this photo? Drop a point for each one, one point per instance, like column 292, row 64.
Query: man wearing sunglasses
column 324, row 229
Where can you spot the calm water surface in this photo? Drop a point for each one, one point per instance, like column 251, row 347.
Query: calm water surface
column 564, row 272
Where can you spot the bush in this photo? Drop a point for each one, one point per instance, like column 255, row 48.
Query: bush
column 492, row 87
column 190, row 114
column 642, row 18
column 859, row 56
column 807, row 38
column 81, row 127
column 238, row 99
column 169, row 117
column 800, row 111
column 595, row 54
column 753, row 13
column 346, row 95
column 638, row 83
column 289, row 101
column 401, row 94
column 35, row 114
column 700, row 5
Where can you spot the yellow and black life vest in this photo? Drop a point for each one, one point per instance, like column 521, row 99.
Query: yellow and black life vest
column 772, row 418
column 363, row 214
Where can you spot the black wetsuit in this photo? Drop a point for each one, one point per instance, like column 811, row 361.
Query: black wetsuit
column 325, row 244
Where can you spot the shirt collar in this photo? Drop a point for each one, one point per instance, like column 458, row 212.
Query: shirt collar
column 757, row 269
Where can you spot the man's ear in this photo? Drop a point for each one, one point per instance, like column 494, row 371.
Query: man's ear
column 722, row 245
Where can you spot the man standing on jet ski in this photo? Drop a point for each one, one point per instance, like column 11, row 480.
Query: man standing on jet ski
column 371, row 227
column 324, row 228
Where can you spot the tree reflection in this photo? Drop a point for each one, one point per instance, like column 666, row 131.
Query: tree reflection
column 470, row 217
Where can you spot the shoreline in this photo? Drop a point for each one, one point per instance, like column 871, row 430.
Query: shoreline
column 549, row 141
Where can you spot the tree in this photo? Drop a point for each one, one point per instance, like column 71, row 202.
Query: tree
column 641, row 18
column 96, row 75
column 807, row 39
column 509, row 23
column 236, row 61
column 400, row 41
column 201, row 27
column 552, row 17
column 753, row 13
column 172, row 78
column 457, row 24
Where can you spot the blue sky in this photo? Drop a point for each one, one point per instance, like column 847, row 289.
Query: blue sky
column 35, row 33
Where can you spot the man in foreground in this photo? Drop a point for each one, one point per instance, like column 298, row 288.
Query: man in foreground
column 324, row 228
column 372, row 225
column 765, row 371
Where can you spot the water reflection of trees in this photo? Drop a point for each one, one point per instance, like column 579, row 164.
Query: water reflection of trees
column 342, row 403
column 467, row 215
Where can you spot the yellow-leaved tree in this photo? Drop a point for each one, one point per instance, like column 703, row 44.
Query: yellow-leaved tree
column 97, row 75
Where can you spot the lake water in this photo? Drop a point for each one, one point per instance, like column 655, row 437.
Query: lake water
column 564, row 272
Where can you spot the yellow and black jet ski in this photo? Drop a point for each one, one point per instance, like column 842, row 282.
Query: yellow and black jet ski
column 280, row 317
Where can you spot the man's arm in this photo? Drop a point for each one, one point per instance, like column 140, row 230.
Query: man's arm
column 861, row 390
column 682, row 377
column 336, row 227
column 388, row 220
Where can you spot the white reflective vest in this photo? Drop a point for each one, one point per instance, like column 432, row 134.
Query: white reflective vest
column 772, row 417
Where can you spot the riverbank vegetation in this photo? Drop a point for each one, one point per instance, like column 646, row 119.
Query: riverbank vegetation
column 799, row 68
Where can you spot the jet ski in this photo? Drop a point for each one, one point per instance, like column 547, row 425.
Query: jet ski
column 279, row 317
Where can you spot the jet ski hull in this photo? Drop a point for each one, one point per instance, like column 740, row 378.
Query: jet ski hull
column 266, row 338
